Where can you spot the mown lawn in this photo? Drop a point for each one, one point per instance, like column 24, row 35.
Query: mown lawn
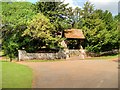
column 16, row 75
column 110, row 57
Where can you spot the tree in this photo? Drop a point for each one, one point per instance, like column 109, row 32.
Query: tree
column 74, row 17
column 117, row 19
column 14, row 18
column 40, row 29
column 98, row 27
column 88, row 9
column 111, row 40
column 77, row 17
column 55, row 11
column 93, row 27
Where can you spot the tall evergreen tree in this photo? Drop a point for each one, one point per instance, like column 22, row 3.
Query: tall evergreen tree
column 55, row 11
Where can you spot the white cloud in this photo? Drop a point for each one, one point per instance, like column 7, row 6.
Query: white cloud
column 110, row 5
column 72, row 3
column 103, row 1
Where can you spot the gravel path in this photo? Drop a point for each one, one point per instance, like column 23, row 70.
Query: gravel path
column 75, row 74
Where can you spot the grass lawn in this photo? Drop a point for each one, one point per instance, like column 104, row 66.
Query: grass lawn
column 16, row 75
column 110, row 57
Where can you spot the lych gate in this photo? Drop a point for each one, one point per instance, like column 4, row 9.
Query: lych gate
column 73, row 47
column 74, row 34
column 70, row 48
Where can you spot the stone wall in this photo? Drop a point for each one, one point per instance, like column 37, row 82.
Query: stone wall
column 62, row 54
column 23, row 55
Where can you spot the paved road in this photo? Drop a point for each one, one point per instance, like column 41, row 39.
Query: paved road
column 75, row 74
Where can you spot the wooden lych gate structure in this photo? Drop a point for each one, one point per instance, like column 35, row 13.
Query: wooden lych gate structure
column 76, row 49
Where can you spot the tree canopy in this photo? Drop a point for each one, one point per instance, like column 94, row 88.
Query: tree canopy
column 14, row 21
column 97, row 29
column 34, row 26
column 40, row 28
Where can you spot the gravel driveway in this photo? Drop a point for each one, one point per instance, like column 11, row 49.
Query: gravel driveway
column 75, row 74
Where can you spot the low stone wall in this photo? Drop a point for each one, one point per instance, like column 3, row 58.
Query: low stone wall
column 62, row 54
column 23, row 55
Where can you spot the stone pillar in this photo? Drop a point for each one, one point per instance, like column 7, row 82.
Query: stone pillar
column 66, row 50
column 83, row 53
column 64, row 44
column 21, row 54
column 67, row 53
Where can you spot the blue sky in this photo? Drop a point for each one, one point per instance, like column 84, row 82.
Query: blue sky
column 111, row 5
column 33, row 1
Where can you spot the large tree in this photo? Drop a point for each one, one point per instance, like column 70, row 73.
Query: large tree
column 117, row 18
column 100, row 30
column 40, row 29
column 14, row 21
column 55, row 11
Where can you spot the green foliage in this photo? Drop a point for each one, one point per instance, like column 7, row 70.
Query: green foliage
column 35, row 26
column 88, row 9
column 54, row 11
column 10, row 47
column 100, row 30
column 14, row 21
column 40, row 28
column 117, row 18
column 16, row 13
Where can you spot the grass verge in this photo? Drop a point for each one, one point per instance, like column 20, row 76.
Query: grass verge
column 111, row 57
column 16, row 75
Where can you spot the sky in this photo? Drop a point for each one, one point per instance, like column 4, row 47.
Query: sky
column 110, row 5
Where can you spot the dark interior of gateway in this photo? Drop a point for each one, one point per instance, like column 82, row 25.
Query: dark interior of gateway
column 74, row 43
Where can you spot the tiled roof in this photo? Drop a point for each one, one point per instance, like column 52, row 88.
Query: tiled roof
column 74, row 33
